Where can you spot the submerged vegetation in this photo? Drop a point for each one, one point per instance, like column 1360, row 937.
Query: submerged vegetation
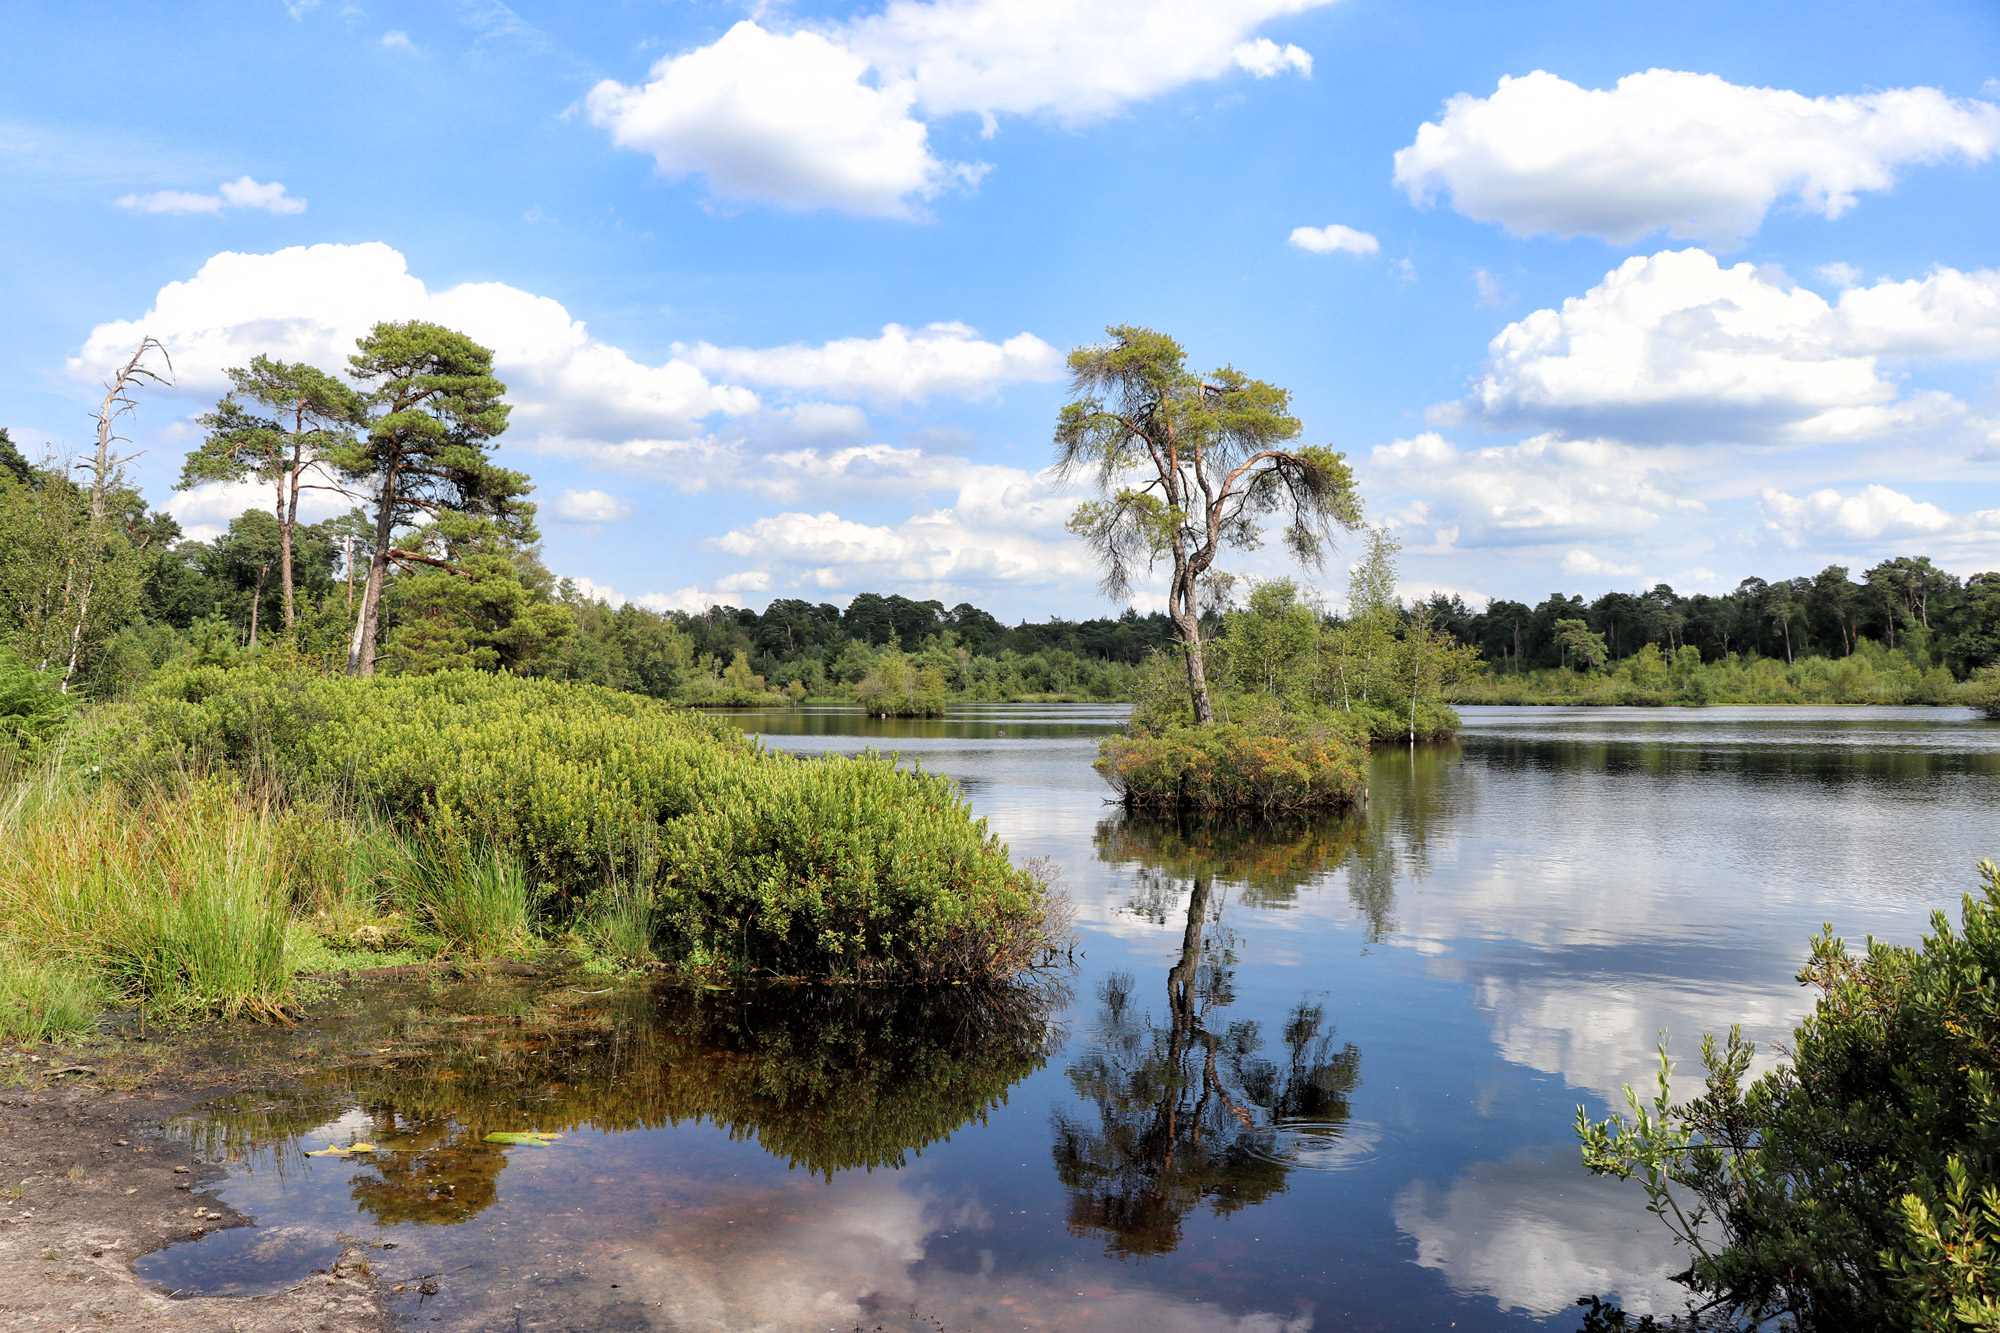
column 1855, row 1185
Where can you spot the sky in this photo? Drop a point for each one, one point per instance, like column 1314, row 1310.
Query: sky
column 1591, row 296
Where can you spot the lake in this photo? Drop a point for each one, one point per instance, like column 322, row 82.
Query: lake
column 1300, row 1077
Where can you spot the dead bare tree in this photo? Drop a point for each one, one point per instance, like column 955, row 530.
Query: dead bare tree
column 81, row 576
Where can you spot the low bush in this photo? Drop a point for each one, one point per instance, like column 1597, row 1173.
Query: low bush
column 895, row 686
column 1858, row 1185
column 745, row 859
column 32, row 707
column 1236, row 766
column 1983, row 692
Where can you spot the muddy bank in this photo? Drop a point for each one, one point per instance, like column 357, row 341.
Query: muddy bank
column 88, row 1183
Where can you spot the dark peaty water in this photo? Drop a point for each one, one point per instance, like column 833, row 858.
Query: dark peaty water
column 1310, row 1076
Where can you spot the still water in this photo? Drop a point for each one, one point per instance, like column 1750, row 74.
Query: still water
column 1301, row 1077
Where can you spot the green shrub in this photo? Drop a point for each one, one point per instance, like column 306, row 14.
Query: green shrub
column 1235, row 766
column 895, row 686
column 849, row 867
column 32, row 707
column 1858, row 1185
column 1983, row 692
column 753, row 860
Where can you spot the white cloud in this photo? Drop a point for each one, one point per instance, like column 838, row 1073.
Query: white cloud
column 1335, row 239
column 1691, row 153
column 171, row 201
column 204, row 511
column 1074, row 62
column 1872, row 515
column 1580, row 563
column 591, row 507
column 1674, row 346
column 272, row 198
column 1544, row 490
column 1841, row 275
column 1491, row 293
column 309, row 303
column 243, row 192
column 1265, row 59
column 833, row 117
column 897, row 366
column 778, row 118
column 398, row 40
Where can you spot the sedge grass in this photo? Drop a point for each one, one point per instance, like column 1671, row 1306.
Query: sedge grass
column 173, row 899
column 41, row 1001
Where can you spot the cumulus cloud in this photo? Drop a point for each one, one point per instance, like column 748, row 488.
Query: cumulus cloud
column 1692, row 154
column 787, row 119
column 898, row 366
column 309, row 303
column 1674, row 346
column 398, row 40
column 1265, row 59
column 834, row 117
column 591, row 507
column 1869, row 517
column 1544, row 490
column 1335, row 239
column 243, row 192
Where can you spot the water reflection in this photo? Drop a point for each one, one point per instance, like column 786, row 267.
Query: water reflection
column 825, row 1079
column 1191, row 1112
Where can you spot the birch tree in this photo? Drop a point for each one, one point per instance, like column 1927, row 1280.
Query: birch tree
column 1186, row 465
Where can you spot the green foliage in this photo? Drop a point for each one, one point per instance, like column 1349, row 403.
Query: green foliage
column 1581, row 649
column 175, row 899
column 1983, row 692
column 817, row 867
column 753, row 861
column 1871, row 674
column 1235, row 766
column 897, row 686
column 33, row 708
column 1853, row 1187
column 46, row 1001
column 1188, row 465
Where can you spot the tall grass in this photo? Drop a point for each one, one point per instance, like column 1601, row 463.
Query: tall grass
column 42, row 1001
column 175, row 899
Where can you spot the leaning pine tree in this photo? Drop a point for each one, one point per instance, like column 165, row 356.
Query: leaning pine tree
column 434, row 409
column 1185, row 465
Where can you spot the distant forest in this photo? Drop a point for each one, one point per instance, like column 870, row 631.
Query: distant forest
column 1904, row 603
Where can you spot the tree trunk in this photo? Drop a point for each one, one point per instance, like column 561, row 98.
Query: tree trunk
column 361, row 650
column 257, row 601
column 1197, row 670
column 288, row 514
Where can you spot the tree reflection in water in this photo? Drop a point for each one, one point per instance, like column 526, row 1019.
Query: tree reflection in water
column 827, row 1078
column 1192, row 1113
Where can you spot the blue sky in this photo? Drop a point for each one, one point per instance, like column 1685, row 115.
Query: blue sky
column 1738, row 313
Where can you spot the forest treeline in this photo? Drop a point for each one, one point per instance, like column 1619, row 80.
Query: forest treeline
column 163, row 596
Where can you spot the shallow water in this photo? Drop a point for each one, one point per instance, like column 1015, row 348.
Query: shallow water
column 1304, row 1077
